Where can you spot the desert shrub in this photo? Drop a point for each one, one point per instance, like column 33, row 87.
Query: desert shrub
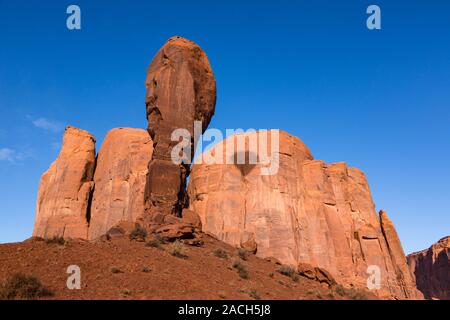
column 243, row 254
column 357, row 295
column 125, row 293
column 243, row 273
column 254, row 294
column 177, row 249
column 340, row 290
column 271, row 274
column 350, row 293
column 242, row 270
column 153, row 243
column 138, row 233
column 220, row 253
column 21, row 286
column 116, row 270
column 288, row 271
column 156, row 242
column 56, row 240
column 146, row 269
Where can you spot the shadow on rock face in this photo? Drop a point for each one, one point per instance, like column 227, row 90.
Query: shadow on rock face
column 245, row 161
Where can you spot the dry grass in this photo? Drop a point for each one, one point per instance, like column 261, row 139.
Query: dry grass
column 288, row 271
column 351, row 293
column 220, row 253
column 242, row 270
column 138, row 234
column 116, row 270
column 243, row 254
column 56, row 240
column 22, row 287
column 177, row 249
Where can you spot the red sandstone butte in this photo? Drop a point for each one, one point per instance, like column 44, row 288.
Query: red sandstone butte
column 308, row 212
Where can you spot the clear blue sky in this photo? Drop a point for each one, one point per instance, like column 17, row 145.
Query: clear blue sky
column 379, row 100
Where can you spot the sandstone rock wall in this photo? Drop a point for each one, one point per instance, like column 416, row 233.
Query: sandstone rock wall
column 181, row 89
column 119, row 179
column 66, row 188
column 309, row 212
column 80, row 197
column 135, row 172
column 431, row 269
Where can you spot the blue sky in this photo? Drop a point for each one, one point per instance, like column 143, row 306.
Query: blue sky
column 379, row 100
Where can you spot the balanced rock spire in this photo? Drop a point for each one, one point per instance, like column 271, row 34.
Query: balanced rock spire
column 181, row 89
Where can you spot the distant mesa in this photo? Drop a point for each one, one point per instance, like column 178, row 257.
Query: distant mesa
column 431, row 268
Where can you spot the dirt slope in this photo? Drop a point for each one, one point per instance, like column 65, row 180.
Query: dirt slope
column 124, row 269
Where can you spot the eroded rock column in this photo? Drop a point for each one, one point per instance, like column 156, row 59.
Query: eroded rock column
column 66, row 188
column 181, row 89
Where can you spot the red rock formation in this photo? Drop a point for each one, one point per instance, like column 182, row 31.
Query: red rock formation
column 76, row 202
column 181, row 89
column 431, row 268
column 307, row 213
column 65, row 189
column 120, row 178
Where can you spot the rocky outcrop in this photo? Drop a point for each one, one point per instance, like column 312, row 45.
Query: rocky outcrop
column 66, row 188
column 181, row 89
column 81, row 197
column 402, row 272
column 307, row 213
column 134, row 174
column 119, row 179
column 278, row 203
column 431, row 268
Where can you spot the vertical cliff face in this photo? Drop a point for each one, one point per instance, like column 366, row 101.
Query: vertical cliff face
column 431, row 268
column 65, row 189
column 308, row 212
column 181, row 89
column 119, row 179
column 80, row 197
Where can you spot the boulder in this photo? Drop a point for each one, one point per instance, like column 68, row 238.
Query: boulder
column 190, row 217
column 172, row 232
column 66, row 188
column 431, row 268
column 314, row 273
column 250, row 246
